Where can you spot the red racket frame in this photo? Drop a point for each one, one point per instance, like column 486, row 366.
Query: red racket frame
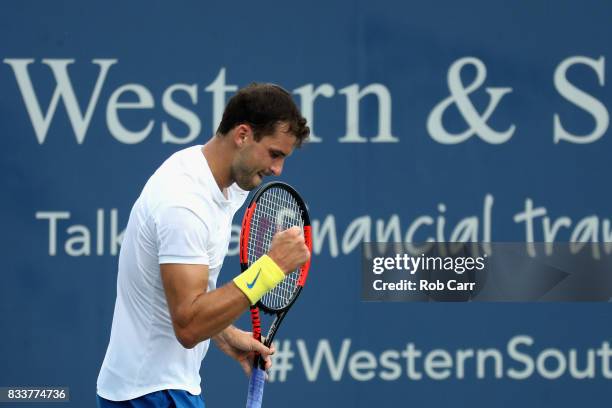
column 244, row 262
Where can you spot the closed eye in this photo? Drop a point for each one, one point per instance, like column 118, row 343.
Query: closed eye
column 275, row 154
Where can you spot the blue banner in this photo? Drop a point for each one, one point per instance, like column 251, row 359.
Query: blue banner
column 442, row 121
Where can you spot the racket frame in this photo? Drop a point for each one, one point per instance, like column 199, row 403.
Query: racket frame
column 244, row 263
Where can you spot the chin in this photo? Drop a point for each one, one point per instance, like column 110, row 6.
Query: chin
column 256, row 183
column 250, row 184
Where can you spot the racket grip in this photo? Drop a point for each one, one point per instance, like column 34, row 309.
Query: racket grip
column 256, row 388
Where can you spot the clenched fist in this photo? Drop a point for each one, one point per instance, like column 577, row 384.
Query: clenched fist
column 289, row 250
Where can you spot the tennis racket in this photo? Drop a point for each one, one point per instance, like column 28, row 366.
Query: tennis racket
column 274, row 207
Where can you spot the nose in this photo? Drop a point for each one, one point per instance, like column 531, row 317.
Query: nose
column 277, row 167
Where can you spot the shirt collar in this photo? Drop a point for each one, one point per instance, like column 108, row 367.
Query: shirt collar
column 209, row 179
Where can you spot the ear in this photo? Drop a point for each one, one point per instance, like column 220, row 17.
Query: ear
column 241, row 134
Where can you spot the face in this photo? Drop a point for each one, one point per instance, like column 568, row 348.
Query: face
column 255, row 160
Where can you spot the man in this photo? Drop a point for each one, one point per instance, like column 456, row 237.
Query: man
column 168, row 305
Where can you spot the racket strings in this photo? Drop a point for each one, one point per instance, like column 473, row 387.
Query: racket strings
column 276, row 210
column 279, row 211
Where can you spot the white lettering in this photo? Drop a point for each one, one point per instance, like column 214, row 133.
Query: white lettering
column 181, row 113
column 63, row 90
column 145, row 101
column 582, row 100
column 308, row 94
column 353, row 97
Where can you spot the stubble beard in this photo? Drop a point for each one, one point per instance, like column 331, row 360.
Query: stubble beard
column 245, row 176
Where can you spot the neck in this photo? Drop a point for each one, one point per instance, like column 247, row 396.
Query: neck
column 219, row 160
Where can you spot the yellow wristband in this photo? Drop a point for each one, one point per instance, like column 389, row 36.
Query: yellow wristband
column 260, row 278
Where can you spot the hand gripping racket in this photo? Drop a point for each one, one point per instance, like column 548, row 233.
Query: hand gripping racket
column 274, row 207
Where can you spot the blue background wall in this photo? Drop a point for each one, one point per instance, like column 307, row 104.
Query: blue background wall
column 56, row 310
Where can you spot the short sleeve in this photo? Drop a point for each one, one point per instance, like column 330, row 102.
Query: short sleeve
column 182, row 237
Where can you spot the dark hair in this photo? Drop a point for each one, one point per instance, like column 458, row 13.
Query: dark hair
column 263, row 107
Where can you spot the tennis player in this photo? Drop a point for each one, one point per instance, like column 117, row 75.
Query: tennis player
column 168, row 305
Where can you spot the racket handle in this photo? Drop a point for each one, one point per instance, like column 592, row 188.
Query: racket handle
column 256, row 388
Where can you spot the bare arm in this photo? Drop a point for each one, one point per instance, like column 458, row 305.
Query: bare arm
column 241, row 346
column 196, row 314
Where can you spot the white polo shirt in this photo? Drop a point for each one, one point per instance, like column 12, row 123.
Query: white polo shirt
column 181, row 216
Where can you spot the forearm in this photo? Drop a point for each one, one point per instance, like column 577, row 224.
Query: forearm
column 199, row 315
column 210, row 314
column 223, row 336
